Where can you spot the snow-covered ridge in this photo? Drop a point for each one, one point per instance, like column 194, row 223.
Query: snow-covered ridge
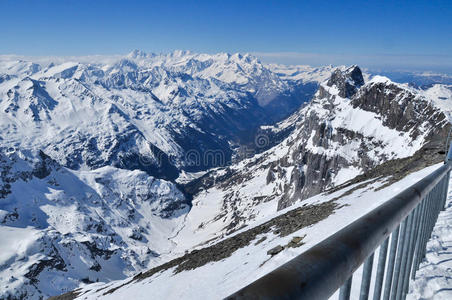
column 303, row 72
column 241, row 70
column 307, row 73
column 440, row 95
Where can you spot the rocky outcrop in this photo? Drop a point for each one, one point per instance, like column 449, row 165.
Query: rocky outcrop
column 345, row 97
column 347, row 82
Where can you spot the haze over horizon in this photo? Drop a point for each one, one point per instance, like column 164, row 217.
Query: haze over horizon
column 377, row 34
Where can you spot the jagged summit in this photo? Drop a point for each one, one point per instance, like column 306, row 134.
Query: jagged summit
column 347, row 81
column 356, row 75
column 137, row 54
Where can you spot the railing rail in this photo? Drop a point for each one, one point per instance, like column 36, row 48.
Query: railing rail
column 400, row 226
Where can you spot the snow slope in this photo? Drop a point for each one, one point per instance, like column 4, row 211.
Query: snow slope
column 60, row 227
column 440, row 94
column 434, row 277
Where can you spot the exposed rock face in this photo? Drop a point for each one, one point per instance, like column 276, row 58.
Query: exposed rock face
column 347, row 82
column 340, row 113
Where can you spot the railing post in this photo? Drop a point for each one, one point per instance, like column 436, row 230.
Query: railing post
column 381, row 269
column 367, row 274
column 344, row 292
column 399, row 258
column 405, row 250
column 392, row 257
column 428, row 221
column 418, row 245
column 446, row 191
column 413, row 234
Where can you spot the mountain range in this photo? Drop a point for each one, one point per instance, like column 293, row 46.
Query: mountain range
column 112, row 167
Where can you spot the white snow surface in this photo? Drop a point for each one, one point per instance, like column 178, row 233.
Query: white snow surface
column 440, row 94
column 303, row 73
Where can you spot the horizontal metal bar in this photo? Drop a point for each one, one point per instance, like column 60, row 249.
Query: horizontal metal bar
column 321, row 270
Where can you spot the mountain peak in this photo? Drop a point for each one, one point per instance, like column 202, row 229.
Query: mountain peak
column 180, row 53
column 380, row 79
column 137, row 54
column 354, row 72
column 347, row 81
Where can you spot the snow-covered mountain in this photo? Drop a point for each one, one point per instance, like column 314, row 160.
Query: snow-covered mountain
column 87, row 143
column 90, row 151
column 61, row 227
column 157, row 113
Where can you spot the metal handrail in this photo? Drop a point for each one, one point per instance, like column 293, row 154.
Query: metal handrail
column 320, row 271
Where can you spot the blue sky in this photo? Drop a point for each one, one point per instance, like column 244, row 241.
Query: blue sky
column 387, row 34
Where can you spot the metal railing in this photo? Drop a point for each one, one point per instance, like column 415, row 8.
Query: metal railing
column 398, row 230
